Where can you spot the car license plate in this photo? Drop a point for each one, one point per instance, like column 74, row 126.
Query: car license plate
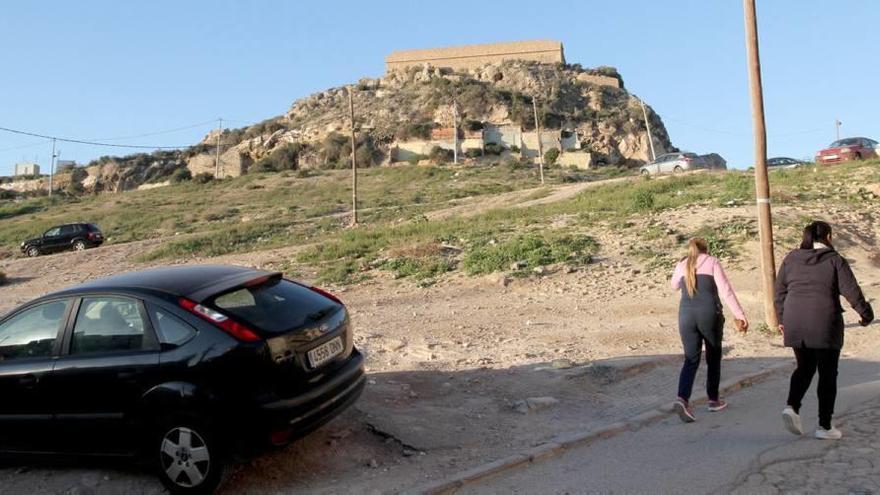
column 829, row 157
column 325, row 352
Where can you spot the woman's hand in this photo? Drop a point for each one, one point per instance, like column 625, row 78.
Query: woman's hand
column 742, row 325
column 781, row 328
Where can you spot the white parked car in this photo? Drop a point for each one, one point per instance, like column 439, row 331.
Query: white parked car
column 673, row 163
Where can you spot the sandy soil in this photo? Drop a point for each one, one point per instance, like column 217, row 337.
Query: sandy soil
column 449, row 362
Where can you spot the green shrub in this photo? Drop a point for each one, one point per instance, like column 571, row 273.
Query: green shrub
column 203, row 178
column 642, row 200
column 418, row 268
column 532, row 249
column 441, row 155
column 2, row 278
column 493, row 149
column 181, row 175
column 514, row 149
column 550, row 156
column 416, row 158
column 282, row 158
column 473, row 152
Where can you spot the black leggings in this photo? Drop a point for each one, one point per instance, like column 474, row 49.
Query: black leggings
column 697, row 329
column 808, row 361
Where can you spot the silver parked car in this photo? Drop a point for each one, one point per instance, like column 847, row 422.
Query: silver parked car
column 674, row 163
column 782, row 162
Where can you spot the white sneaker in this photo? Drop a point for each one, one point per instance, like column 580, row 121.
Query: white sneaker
column 792, row 421
column 832, row 434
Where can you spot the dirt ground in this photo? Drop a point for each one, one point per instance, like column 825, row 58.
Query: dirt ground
column 449, row 363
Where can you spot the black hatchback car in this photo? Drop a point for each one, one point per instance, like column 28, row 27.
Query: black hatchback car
column 76, row 236
column 185, row 366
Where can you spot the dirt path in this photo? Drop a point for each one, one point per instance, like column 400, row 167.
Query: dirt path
column 449, row 362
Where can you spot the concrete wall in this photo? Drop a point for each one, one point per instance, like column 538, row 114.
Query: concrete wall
column 232, row 164
column 506, row 135
column 27, row 169
column 579, row 159
column 600, row 80
column 549, row 139
column 473, row 56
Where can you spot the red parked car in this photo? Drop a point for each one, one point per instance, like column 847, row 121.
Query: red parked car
column 844, row 150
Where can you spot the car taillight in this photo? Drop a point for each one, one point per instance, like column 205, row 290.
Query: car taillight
column 92, row 236
column 326, row 294
column 686, row 159
column 229, row 325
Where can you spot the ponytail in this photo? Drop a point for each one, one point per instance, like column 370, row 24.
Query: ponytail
column 696, row 247
column 817, row 231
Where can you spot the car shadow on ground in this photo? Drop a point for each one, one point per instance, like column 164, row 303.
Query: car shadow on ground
column 415, row 425
column 15, row 280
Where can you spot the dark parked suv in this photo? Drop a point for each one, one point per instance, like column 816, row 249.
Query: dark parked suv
column 76, row 236
column 184, row 366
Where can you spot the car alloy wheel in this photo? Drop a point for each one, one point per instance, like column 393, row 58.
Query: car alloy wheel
column 79, row 246
column 33, row 252
column 185, row 458
column 677, row 170
column 645, row 173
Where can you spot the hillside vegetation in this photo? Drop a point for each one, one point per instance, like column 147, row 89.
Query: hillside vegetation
column 261, row 211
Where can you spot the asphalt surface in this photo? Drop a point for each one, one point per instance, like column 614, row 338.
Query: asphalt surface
column 714, row 455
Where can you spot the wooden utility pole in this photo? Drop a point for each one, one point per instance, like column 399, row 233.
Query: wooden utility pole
column 538, row 133
column 454, row 132
column 217, row 159
column 762, row 183
column 52, row 168
column 354, row 170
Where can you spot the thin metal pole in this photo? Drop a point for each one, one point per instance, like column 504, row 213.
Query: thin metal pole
column 538, row 132
column 454, row 132
column 762, row 183
column 354, row 172
column 837, row 126
column 648, row 127
column 217, row 160
column 52, row 167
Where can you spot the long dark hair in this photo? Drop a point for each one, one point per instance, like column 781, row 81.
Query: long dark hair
column 817, row 231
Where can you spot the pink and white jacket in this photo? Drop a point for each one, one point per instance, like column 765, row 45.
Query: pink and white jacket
column 710, row 266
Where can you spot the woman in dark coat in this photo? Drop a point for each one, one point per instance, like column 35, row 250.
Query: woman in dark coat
column 808, row 289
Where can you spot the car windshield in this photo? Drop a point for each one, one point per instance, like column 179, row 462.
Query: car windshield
column 844, row 142
column 276, row 306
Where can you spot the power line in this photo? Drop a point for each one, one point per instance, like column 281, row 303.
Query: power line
column 169, row 131
column 41, row 143
column 92, row 143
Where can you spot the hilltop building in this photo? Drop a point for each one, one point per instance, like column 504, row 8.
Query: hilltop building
column 473, row 56
column 27, row 168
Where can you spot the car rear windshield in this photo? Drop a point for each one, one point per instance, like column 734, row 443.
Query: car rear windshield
column 844, row 142
column 276, row 306
column 92, row 227
column 690, row 155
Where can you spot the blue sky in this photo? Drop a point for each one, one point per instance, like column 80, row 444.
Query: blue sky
column 98, row 70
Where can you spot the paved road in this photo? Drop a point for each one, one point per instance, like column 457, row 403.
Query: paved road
column 744, row 448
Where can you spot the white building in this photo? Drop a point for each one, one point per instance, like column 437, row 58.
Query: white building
column 27, row 168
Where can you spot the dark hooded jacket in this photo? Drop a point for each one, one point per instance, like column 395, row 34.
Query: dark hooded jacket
column 808, row 291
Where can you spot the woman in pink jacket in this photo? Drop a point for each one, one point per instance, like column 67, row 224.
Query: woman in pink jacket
column 703, row 286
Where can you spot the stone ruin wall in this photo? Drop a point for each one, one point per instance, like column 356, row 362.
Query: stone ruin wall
column 474, row 56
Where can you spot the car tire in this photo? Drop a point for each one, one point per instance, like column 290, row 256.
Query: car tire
column 189, row 457
column 857, row 157
column 645, row 173
column 677, row 170
column 33, row 251
column 79, row 245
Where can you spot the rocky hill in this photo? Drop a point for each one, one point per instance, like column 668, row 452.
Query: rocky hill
column 590, row 106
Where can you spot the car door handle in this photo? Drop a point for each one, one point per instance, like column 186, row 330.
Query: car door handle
column 28, row 381
column 126, row 375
